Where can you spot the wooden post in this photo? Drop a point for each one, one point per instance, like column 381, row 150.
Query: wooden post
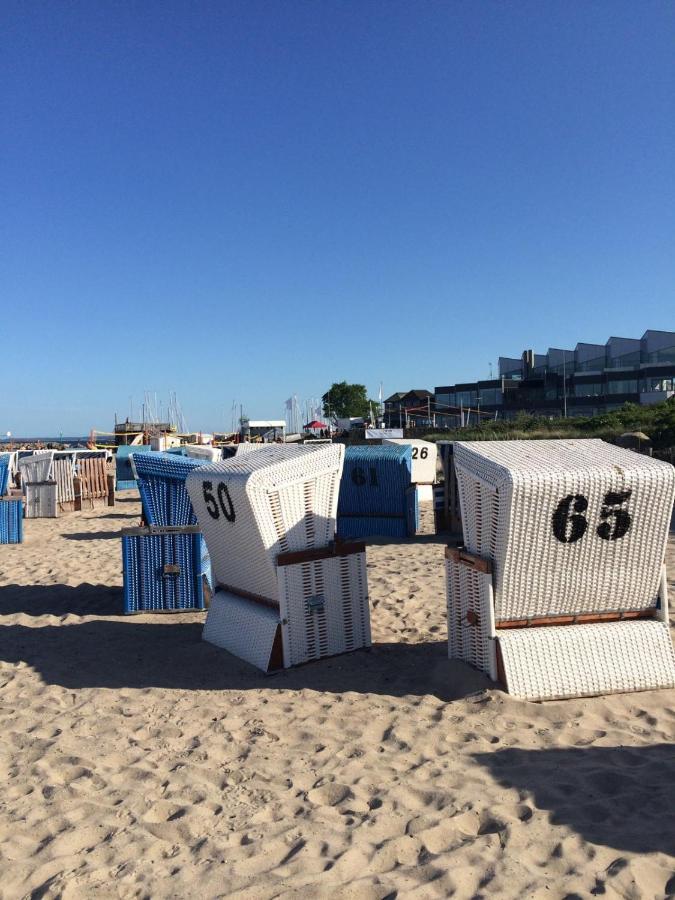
column 111, row 490
column 77, row 488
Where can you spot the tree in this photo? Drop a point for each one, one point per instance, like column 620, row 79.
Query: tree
column 344, row 400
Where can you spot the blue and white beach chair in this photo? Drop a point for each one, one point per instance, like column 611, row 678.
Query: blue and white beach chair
column 377, row 497
column 124, row 476
column 11, row 520
column 162, row 569
column 166, row 503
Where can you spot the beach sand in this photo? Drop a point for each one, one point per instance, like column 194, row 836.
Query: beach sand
column 138, row 761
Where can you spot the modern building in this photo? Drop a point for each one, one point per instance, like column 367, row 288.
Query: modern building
column 585, row 381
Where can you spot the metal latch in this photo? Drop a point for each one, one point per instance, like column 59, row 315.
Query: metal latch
column 171, row 569
column 316, row 602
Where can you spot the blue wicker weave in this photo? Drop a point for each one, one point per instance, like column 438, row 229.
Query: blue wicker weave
column 162, row 572
column 124, row 476
column 375, row 492
column 11, row 521
column 4, row 472
column 161, row 483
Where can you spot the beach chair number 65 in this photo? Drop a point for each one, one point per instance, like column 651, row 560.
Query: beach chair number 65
column 224, row 501
column 569, row 522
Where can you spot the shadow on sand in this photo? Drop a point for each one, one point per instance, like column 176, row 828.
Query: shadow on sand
column 61, row 599
column 169, row 653
column 620, row 797
column 91, row 535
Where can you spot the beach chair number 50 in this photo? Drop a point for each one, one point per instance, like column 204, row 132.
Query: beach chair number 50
column 223, row 503
column 569, row 522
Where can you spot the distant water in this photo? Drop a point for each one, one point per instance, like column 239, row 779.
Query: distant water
column 68, row 441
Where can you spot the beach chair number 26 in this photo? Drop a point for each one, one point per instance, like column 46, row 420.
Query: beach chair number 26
column 569, row 522
column 223, row 503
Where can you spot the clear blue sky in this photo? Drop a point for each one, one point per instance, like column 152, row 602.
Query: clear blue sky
column 247, row 200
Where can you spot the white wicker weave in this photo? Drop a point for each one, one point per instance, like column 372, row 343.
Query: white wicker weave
column 36, row 468
column 549, row 662
column 41, row 500
column 248, row 447
column 63, row 472
column 323, row 611
column 254, row 507
column 245, row 629
column 583, row 660
column 510, row 494
column 470, row 611
column 199, row 451
column 566, row 532
column 324, row 608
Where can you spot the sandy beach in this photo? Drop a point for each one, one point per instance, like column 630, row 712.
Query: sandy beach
column 138, row 761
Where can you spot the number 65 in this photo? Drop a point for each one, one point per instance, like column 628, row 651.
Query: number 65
column 569, row 523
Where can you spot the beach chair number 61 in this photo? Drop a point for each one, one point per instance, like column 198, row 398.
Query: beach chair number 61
column 224, row 501
column 569, row 522
column 359, row 477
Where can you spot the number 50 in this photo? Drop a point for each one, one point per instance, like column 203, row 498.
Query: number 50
column 224, row 501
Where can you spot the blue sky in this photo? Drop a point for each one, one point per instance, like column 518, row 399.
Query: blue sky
column 240, row 201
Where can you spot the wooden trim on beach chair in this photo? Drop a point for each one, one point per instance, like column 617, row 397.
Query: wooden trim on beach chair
column 337, row 548
column 247, row 595
column 463, row 557
column 582, row 619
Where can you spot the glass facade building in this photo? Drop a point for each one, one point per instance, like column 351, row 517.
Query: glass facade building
column 586, row 380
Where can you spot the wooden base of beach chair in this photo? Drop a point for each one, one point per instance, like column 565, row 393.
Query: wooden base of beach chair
column 321, row 610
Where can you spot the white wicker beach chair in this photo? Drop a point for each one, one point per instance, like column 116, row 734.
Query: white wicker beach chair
column 285, row 591
column 565, row 542
column 63, row 472
column 208, row 454
column 36, row 468
column 248, row 447
column 424, row 456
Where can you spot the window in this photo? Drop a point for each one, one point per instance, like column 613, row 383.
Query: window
column 466, row 398
column 591, row 365
column 629, row 386
column 665, row 355
column 591, row 389
column 625, row 360
column 490, row 396
column 657, row 384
